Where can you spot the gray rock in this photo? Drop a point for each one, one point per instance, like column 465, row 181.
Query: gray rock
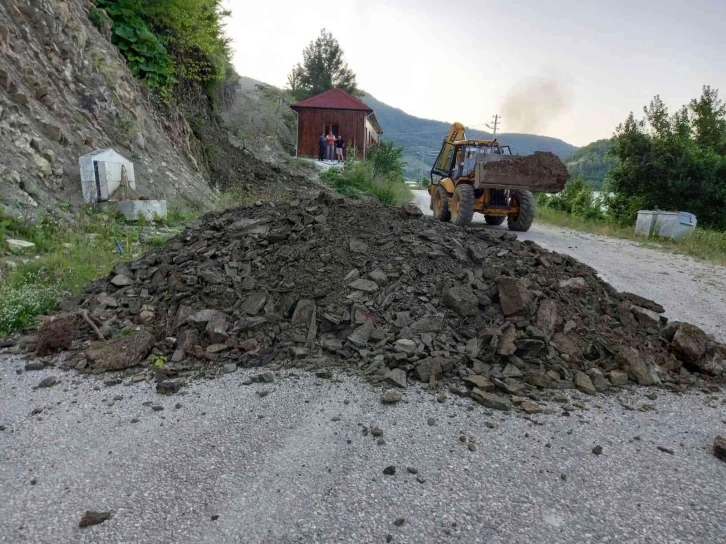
column 367, row 286
column 202, row 317
column 93, row 518
column 391, row 397
column 50, row 381
column 646, row 317
column 597, row 450
column 404, row 345
column 249, row 323
column 253, row 304
column 719, row 448
column 480, row 382
column 428, row 324
column 689, row 343
column 119, row 280
column 427, row 368
column 573, row 284
column 396, row 377
column 357, row 246
column 360, row 336
column 491, row 400
column 584, row 383
column 617, row 377
column 389, row 470
column 462, row 300
column 378, row 276
column 637, row 369
column 513, row 296
column 216, row 328
column 511, row 371
column 230, row 367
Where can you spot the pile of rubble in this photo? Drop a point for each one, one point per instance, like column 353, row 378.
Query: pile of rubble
column 384, row 294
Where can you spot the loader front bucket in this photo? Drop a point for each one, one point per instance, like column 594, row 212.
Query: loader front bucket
column 541, row 171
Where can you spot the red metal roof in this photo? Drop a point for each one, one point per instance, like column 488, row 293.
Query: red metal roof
column 334, row 99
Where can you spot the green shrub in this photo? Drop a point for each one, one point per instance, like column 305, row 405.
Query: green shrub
column 145, row 55
column 576, row 199
column 358, row 179
column 20, row 305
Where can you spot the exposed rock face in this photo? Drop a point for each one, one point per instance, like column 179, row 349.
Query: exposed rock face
column 65, row 90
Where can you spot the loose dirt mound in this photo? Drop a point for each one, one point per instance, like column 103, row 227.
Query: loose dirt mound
column 390, row 297
column 541, row 171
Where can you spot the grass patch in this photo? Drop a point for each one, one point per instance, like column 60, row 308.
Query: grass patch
column 709, row 245
column 357, row 179
column 66, row 259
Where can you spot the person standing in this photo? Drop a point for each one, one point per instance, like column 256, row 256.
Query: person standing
column 339, row 144
column 321, row 146
column 330, row 146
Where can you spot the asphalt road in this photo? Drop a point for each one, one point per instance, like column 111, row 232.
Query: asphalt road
column 688, row 289
column 295, row 466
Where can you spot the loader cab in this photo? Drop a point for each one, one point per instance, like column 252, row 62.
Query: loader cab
column 456, row 159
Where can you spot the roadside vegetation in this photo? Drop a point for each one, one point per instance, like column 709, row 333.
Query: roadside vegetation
column 67, row 256
column 579, row 208
column 171, row 45
column 661, row 162
column 380, row 175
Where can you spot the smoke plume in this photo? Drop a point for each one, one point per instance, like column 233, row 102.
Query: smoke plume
column 533, row 104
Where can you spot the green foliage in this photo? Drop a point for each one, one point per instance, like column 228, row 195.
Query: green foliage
column 706, row 244
column 69, row 257
column 576, row 199
column 167, row 41
column 360, row 178
column 673, row 162
column 21, row 304
column 145, row 55
column 386, row 159
column 323, row 68
column 593, row 162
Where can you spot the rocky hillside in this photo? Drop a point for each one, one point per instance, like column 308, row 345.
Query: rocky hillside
column 65, row 90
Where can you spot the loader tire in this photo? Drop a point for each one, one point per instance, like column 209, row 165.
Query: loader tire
column 494, row 219
column 462, row 205
column 440, row 204
column 523, row 220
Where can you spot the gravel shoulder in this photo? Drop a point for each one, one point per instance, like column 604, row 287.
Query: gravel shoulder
column 294, row 466
column 688, row 289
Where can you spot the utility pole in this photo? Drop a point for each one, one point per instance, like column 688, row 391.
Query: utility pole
column 421, row 152
column 495, row 124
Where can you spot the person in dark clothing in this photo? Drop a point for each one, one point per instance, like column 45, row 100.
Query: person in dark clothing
column 321, row 147
column 339, row 145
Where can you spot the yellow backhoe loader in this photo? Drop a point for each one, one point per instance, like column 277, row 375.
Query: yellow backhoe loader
column 483, row 176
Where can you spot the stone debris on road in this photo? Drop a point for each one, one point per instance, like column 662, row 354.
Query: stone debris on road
column 271, row 286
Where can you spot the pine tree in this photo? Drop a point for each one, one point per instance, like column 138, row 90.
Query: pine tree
column 323, row 68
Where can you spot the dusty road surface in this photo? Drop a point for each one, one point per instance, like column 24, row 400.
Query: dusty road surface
column 689, row 290
column 222, row 464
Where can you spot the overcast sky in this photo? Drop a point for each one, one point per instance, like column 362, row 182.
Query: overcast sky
column 563, row 68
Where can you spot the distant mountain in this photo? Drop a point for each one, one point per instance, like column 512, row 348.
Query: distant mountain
column 416, row 134
column 591, row 161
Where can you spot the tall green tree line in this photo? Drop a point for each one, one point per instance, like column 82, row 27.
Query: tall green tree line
column 672, row 161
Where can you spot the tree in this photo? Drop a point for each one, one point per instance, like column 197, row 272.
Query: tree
column 323, row 68
column 387, row 160
column 672, row 162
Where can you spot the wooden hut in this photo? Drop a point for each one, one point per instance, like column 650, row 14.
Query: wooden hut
column 340, row 112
